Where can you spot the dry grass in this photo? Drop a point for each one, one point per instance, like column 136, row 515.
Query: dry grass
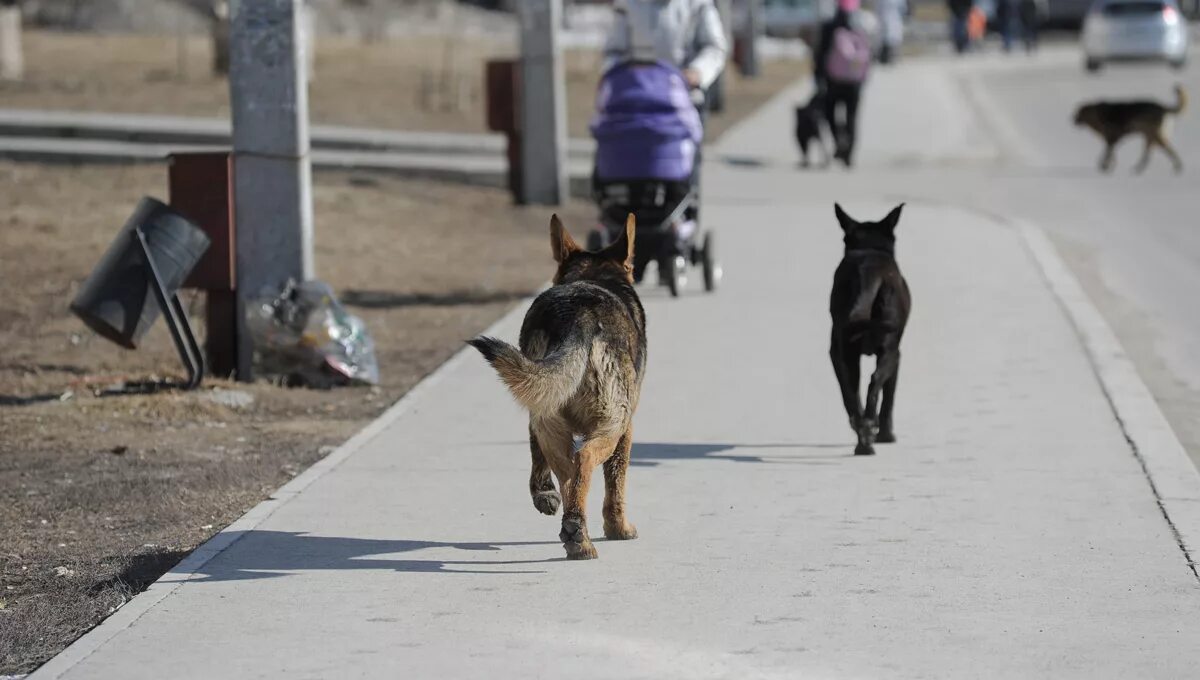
column 420, row 83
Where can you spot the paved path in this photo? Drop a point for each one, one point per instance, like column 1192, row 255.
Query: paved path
column 1011, row 533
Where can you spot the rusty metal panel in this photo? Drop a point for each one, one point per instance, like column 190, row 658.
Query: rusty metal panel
column 502, row 86
column 201, row 186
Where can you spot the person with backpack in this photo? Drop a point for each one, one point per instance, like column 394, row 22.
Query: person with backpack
column 1032, row 13
column 840, row 66
column 960, row 10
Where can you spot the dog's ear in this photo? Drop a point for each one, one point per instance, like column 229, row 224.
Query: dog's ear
column 561, row 243
column 892, row 219
column 622, row 249
column 847, row 222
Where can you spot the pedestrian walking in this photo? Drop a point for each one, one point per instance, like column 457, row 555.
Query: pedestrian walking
column 684, row 33
column 1008, row 19
column 1032, row 13
column 840, row 65
column 891, row 17
column 960, row 10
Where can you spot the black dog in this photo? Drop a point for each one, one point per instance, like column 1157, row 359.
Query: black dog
column 810, row 121
column 869, row 305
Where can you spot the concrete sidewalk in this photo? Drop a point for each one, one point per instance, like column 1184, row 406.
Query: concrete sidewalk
column 1012, row 533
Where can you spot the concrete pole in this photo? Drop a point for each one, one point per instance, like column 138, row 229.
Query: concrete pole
column 12, row 61
column 542, row 109
column 272, row 174
column 754, row 28
column 309, row 31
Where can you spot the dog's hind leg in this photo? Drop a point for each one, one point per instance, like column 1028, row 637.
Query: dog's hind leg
column 846, row 368
column 574, row 534
column 541, row 484
column 886, row 366
column 1166, row 146
column 887, row 433
column 616, row 526
column 1145, row 159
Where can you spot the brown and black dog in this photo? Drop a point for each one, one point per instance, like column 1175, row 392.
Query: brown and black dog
column 870, row 304
column 1113, row 120
column 579, row 374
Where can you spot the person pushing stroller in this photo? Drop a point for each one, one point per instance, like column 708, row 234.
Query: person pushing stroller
column 685, row 33
column 661, row 56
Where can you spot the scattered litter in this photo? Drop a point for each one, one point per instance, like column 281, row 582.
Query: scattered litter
column 305, row 336
column 232, row 398
column 206, row 527
column 66, row 396
column 64, row 572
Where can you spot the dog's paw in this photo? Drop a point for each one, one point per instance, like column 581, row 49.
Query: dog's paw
column 885, row 437
column 547, row 502
column 626, row 532
column 864, row 450
column 573, row 529
column 581, row 551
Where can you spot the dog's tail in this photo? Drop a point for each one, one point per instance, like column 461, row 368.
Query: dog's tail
column 540, row 385
column 860, row 312
column 860, row 323
column 1181, row 100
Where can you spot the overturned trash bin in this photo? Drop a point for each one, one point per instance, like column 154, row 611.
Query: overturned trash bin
column 138, row 277
column 304, row 336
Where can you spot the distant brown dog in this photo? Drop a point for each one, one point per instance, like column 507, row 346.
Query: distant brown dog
column 1114, row 120
column 579, row 374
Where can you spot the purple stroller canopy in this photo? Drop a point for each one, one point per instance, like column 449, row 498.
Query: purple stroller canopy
column 646, row 126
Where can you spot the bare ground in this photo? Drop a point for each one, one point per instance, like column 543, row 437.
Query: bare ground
column 100, row 495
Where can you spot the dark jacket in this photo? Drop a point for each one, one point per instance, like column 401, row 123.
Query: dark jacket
column 825, row 43
column 960, row 8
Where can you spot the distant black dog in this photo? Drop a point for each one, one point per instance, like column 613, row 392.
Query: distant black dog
column 810, row 121
column 869, row 305
column 1113, row 120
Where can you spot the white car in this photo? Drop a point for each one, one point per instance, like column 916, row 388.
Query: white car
column 1129, row 30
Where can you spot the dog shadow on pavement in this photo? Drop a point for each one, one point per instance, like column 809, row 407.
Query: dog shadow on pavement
column 271, row 554
column 649, row 454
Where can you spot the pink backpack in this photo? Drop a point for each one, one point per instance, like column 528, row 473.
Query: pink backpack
column 849, row 56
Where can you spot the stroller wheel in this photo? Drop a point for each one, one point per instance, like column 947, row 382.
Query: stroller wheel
column 673, row 270
column 712, row 270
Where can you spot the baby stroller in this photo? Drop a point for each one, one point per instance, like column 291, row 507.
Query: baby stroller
column 648, row 134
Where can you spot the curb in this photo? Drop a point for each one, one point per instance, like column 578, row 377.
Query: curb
column 1173, row 479
column 131, row 611
column 184, row 130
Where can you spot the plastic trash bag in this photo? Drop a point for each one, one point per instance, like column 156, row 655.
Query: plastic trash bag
column 304, row 335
